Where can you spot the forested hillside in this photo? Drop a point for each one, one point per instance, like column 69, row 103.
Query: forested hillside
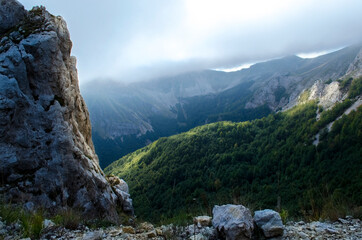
column 254, row 163
column 127, row 117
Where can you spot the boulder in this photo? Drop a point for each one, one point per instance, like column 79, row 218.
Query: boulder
column 121, row 189
column 11, row 13
column 202, row 221
column 233, row 221
column 269, row 222
column 118, row 183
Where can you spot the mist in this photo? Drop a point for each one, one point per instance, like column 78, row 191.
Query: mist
column 131, row 41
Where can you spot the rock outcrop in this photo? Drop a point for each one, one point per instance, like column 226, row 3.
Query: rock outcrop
column 233, row 221
column 11, row 13
column 46, row 150
column 269, row 222
column 327, row 95
column 355, row 68
column 120, row 187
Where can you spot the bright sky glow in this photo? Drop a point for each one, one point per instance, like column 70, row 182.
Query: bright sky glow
column 316, row 54
column 234, row 69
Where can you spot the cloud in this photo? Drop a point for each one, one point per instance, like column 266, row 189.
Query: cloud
column 136, row 40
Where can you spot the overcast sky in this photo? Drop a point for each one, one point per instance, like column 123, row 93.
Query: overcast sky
column 140, row 39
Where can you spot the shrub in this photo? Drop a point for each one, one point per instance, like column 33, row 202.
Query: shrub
column 356, row 88
column 31, row 222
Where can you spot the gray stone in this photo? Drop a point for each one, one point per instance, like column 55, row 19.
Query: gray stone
column 343, row 221
column 331, row 230
column 97, row 235
column 11, row 13
column 192, row 229
column 269, row 222
column 303, row 235
column 29, row 206
column 198, row 237
column 45, row 131
column 48, row 223
column 233, row 221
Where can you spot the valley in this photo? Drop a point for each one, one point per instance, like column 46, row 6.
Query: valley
column 255, row 162
column 127, row 117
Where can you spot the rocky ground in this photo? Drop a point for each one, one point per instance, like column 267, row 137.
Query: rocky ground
column 346, row 228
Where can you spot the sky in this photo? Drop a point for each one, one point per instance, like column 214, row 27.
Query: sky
column 133, row 40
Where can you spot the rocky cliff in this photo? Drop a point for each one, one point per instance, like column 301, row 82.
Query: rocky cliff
column 46, row 150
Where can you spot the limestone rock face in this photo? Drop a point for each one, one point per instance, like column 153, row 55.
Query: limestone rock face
column 355, row 68
column 327, row 94
column 269, row 222
column 11, row 13
column 46, row 150
column 233, row 221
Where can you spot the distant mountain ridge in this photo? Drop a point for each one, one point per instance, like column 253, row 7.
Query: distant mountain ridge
column 127, row 117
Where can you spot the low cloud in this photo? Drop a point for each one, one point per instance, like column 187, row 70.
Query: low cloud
column 138, row 40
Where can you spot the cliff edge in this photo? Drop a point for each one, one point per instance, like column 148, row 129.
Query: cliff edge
column 47, row 156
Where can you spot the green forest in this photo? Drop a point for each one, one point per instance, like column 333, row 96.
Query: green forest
column 265, row 163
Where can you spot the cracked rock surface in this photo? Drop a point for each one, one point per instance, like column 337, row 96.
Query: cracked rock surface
column 47, row 156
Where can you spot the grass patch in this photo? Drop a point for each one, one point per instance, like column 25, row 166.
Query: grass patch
column 31, row 222
column 10, row 213
column 68, row 218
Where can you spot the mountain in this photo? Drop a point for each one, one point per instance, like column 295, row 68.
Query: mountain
column 305, row 161
column 47, row 155
column 127, row 117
